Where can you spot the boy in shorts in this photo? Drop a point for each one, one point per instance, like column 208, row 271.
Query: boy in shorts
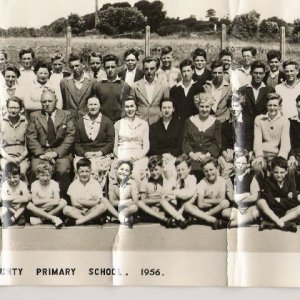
column 174, row 202
column 86, row 197
column 280, row 203
column 151, row 192
column 46, row 204
column 211, row 196
column 123, row 193
column 243, row 192
column 14, row 196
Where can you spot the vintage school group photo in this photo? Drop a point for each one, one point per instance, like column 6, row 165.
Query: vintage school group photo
column 104, row 139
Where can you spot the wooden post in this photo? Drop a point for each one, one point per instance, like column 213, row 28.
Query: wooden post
column 96, row 14
column 68, row 47
column 223, row 36
column 147, row 41
column 282, row 42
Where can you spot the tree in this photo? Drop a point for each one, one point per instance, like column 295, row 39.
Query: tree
column 58, row 26
column 115, row 20
column 118, row 4
column 272, row 25
column 245, row 25
column 296, row 31
column 76, row 23
column 153, row 11
column 210, row 13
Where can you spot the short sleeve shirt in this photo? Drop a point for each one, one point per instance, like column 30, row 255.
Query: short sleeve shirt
column 45, row 192
column 214, row 190
column 20, row 190
column 92, row 189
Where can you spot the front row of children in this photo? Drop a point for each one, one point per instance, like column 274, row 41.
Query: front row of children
column 180, row 201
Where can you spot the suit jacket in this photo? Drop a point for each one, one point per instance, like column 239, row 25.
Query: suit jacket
column 281, row 77
column 36, row 134
column 104, row 141
column 75, row 100
column 149, row 110
column 139, row 74
column 251, row 107
column 222, row 112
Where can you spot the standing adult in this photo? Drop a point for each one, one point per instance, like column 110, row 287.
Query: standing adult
column 77, row 88
column 51, row 136
column 149, row 91
column 131, row 73
column 27, row 57
column 111, row 91
column 201, row 73
column 184, row 91
column 95, row 63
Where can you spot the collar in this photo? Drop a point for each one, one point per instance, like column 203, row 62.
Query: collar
column 274, row 74
column 46, row 114
column 261, row 86
column 180, row 83
column 241, row 177
column 291, row 86
column 266, row 116
column 153, row 82
column 21, row 120
column 199, row 72
column 38, row 85
column 117, row 79
column 156, row 181
column 97, row 120
column 23, row 70
column 224, row 83
column 123, row 183
column 238, row 119
column 85, row 76
column 296, row 118
column 242, row 69
column 133, row 71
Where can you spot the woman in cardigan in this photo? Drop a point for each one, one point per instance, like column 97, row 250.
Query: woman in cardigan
column 95, row 140
column 202, row 136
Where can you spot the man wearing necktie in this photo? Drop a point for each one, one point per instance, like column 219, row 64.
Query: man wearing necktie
column 50, row 136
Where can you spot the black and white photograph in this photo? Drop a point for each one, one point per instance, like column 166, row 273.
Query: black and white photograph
column 150, row 142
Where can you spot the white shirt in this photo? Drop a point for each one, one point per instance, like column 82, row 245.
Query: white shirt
column 129, row 77
column 92, row 127
column 288, row 95
column 26, row 77
column 243, row 76
column 256, row 91
column 150, row 89
column 79, row 83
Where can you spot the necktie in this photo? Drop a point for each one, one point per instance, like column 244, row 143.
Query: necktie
column 95, row 74
column 182, row 185
column 50, row 132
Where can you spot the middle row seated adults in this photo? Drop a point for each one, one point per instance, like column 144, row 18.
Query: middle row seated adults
column 95, row 140
column 202, row 136
column 51, row 136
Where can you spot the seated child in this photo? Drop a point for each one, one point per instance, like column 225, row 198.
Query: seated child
column 243, row 191
column 14, row 196
column 123, row 193
column 280, row 203
column 151, row 192
column 211, row 196
column 46, row 202
column 173, row 202
column 86, row 197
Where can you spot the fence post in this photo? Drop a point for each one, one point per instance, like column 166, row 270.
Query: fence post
column 68, row 47
column 147, row 41
column 223, row 36
column 282, row 42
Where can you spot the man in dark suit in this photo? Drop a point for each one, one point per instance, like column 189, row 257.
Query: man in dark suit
column 131, row 73
column 274, row 76
column 77, row 88
column 149, row 91
column 255, row 94
column 50, row 136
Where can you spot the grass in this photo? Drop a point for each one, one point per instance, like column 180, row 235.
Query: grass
column 182, row 47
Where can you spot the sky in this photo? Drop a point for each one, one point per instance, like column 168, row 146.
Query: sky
column 36, row 13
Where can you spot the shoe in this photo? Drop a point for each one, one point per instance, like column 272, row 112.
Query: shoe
column 183, row 224
column 129, row 222
column 21, row 221
column 58, row 223
column 171, row 223
column 219, row 224
column 290, row 226
column 35, row 221
column 70, row 222
column 266, row 225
